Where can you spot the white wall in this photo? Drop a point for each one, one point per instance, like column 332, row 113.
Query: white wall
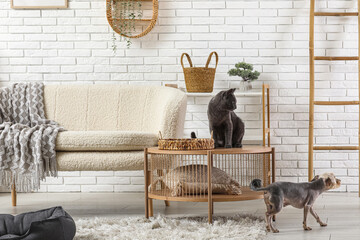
column 74, row 46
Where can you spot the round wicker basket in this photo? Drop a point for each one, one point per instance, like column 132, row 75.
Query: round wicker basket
column 186, row 143
column 118, row 20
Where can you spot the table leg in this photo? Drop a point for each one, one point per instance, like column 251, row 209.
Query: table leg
column 210, row 202
column 210, row 213
column 273, row 164
column 146, row 208
column 151, row 209
column 273, row 172
column 146, row 183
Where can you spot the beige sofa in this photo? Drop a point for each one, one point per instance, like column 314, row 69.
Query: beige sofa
column 108, row 126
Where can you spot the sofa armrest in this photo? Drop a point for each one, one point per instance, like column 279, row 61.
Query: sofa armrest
column 173, row 114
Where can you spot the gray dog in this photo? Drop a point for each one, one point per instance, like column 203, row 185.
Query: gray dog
column 298, row 195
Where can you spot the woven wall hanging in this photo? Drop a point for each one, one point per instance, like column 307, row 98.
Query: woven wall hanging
column 126, row 17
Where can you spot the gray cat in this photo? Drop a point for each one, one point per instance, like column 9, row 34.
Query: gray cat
column 228, row 129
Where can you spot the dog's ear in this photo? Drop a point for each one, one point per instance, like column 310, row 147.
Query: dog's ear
column 315, row 178
column 328, row 182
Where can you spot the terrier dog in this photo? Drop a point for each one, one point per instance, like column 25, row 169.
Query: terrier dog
column 298, row 195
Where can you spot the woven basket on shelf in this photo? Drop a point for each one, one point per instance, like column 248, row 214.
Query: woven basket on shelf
column 186, row 143
column 199, row 79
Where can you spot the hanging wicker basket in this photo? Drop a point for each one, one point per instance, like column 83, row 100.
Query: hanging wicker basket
column 199, row 79
column 186, row 143
column 118, row 21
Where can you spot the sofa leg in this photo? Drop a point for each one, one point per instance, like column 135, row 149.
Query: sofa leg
column 13, row 195
column 167, row 203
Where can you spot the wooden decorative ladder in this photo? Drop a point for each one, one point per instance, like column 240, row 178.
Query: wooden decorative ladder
column 312, row 85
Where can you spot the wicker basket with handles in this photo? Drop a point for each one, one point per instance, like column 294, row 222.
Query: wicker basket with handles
column 199, row 79
column 186, row 143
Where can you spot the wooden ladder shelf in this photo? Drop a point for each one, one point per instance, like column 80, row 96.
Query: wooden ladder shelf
column 312, row 86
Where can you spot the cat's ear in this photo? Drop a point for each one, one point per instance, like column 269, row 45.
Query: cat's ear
column 230, row 91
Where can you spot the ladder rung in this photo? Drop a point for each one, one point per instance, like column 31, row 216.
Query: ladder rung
column 336, row 13
column 335, row 58
column 336, row 102
column 336, row 147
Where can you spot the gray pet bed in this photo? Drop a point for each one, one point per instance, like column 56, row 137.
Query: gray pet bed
column 53, row 223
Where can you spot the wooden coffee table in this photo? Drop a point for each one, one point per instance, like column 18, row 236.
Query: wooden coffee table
column 242, row 164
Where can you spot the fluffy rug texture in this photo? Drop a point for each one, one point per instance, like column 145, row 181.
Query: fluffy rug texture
column 240, row 227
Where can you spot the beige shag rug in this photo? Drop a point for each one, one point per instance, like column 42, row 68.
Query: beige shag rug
column 239, row 227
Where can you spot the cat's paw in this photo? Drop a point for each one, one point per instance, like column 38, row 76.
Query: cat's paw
column 228, row 146
column 238, row 145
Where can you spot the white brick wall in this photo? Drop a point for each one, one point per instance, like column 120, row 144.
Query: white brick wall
column 74, row 46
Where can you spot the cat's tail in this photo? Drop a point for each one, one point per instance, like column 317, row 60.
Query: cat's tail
column 193, row 135
column 255, row 185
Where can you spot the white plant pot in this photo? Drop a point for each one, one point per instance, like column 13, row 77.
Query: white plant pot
column 245, row 86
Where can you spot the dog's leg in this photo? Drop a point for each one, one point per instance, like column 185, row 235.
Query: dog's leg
column 317, row 217
column 274, row 206
column 306, row 210
column 268, row 209
column 267, row 218
column 269, row 226
column 267, row 223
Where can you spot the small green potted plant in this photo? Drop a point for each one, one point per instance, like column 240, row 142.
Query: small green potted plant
column 246, row 72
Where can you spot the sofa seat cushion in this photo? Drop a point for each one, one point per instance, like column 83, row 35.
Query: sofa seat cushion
column 100, row 161
column 70, row 141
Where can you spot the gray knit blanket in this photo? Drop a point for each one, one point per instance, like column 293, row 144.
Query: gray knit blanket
column 27, row 139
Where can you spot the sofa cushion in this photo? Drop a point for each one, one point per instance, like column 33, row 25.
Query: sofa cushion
column 100, row 161
column 86, row 107
column 104, row 140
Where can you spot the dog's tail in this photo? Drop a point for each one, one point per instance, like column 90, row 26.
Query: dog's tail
column 255, row 185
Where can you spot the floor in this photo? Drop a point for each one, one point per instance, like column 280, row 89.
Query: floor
column 340, row 210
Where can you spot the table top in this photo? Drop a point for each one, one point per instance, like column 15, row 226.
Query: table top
column 244, row 149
